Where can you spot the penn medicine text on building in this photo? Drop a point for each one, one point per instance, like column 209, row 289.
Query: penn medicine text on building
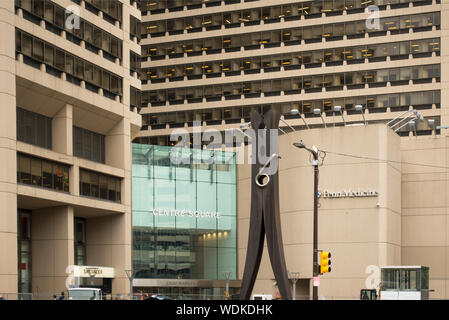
column 349, row 193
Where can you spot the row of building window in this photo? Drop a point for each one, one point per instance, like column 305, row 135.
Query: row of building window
column 374, row 103
column 235, row 43
column 313, row 83
column 56, row 16
column 292, row 61
column 97, row 185
column 52, row 175
column 288, row 37
column 195, row 24
column 88, row 145
column 33, row 128
column 36, row 129
column 111, row 9
column 61, row 61
column 42, row 173
column 156, row 7
column 288, row 10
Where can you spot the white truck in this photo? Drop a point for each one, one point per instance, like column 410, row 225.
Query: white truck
column 262, row 297
column 85, row 294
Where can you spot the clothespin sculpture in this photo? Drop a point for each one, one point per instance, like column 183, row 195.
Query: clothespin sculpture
column 265, row 213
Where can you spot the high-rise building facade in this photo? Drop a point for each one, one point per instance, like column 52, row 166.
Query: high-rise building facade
column 215, row 61
column 67, row 123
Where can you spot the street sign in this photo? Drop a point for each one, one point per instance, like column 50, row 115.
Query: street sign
column 316, row 281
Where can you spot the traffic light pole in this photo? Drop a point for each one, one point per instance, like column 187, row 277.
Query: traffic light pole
column 315, row 223
column 315, row 162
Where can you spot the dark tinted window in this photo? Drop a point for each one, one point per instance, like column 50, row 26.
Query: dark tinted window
column 42, row 173
column 88, row 145
column 98, row 185
column 33, row 128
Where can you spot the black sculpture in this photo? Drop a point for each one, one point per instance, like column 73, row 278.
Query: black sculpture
column 265, row 214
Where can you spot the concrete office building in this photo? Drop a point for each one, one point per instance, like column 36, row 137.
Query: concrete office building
column 215, row 61
column 67, row 123
column 400, row 220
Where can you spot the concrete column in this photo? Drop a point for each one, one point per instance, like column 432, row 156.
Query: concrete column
column 74, row 179
column 109, row 238
column 8, row 197
column 52, row 249
column 62, row 130
column 116, row 140
column 109, row 245
column 444, row 62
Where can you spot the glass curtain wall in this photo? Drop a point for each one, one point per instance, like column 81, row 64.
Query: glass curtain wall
column 184, row 215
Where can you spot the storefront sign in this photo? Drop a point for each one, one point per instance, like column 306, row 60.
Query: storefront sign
column 93, row 270
column 87, row 271
column 348, row 193
column 186, row 213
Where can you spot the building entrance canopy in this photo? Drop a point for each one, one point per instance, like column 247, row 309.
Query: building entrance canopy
column 88, row 271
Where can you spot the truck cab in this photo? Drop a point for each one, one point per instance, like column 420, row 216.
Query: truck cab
column 262, row 297
column 85, row 294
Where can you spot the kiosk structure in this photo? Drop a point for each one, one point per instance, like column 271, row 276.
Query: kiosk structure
column 404, row 283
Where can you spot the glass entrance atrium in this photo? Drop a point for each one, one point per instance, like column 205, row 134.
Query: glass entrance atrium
column 184, row 215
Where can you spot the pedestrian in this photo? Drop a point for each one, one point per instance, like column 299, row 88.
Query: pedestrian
column 61, row 297
column 54, row 297
column 1, row 297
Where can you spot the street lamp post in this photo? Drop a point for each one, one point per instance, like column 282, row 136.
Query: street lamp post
column 295, row 277
column 317, row 111
column 314, row 152
column 130, row 274
column 296, row 112
column 359, row 107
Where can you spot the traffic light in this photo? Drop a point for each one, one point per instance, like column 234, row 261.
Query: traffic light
column 325, row 262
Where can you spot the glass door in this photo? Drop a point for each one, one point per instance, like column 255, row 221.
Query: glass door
column 24, row 251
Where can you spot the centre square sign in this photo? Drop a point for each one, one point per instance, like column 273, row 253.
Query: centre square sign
column 348, row 193
column 186, row 213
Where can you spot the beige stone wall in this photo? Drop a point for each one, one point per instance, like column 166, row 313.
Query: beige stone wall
column 109, row 244
column 8, row 197
column 425, row 224
column 52, row 249
column 284, row 73
column 357, row 231
column 108, row 223
column 410, row 226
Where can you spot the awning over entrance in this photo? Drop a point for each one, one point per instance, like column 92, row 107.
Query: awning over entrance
column 88, row 271
column 185, row 283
